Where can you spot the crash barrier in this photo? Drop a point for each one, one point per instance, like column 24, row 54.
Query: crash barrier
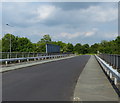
column 112, row 59
column 7, row 55
column 18, row 60
column 110, row 68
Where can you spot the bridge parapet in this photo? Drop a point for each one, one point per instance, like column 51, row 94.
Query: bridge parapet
column 38, row 56
column 111, row 66
column 8, row 55
column 112, row 59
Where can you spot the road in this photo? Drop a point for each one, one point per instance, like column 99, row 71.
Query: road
column 54, row 81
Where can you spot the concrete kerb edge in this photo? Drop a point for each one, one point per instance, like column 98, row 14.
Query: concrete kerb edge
column 75, row 99
column 6, row 69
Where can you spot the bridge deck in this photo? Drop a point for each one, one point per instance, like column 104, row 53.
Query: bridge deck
column 53, row 81
column 93, row 84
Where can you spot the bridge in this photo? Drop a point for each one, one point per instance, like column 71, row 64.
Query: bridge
column 61, row 77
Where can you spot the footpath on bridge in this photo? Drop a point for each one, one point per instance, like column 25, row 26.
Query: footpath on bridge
column 93, row 84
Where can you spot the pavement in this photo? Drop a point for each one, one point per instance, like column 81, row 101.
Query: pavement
column 52, row 81
column 93, row 84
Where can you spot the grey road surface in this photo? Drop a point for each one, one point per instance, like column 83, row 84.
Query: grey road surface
column 54, row 81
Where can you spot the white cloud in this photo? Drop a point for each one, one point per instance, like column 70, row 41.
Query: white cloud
column 76, row 35
column 99, row 13
column 91, row 33
column 87, row 34
column 50, row 14
column 45, row 11
column 70, row 35
column 92, row 14
column 110, row 35
column 68, row 24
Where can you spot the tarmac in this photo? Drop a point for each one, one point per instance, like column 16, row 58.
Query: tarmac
column 30, row 63
column 93, row 84
column 51, row 82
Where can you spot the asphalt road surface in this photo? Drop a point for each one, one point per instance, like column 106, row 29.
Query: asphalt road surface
column 54, row 81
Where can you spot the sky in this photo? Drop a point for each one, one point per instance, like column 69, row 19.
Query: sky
column 73, row 22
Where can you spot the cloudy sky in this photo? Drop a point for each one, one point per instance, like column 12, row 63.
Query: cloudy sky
column 83, row 22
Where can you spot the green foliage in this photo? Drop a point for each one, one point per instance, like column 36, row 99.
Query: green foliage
column 40, row 47
column 6, row 43
column 94, row 48
column 110, row 47
column 0, row 45
column 85, row 49
column 22, row 44
column 69, row 47
column 46, row 38
column 78, row 48
column 117, row 41
column 17, row 44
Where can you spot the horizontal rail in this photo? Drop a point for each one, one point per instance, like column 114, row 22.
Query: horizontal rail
column 30, row 58
column 7, row 55
column 113, row 71
column 112, row 59
column 15, row 59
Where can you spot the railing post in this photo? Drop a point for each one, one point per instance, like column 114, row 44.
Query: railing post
column 8, row 55
column 6, row 63
column 114, row 62
column 115, row 80
column 18, row 61
column 16, row 55
column 118, row 68
column 22, row 55
column 28, row 54
column 111, row 75
column 33, row 54
column 112, row 59
column 27, row 60
column 107, row 72
column 37, row 54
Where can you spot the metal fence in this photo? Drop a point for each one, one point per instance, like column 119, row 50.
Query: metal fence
column 7, row 55
column 112, row 59
column 111, row 65
column 8, row 58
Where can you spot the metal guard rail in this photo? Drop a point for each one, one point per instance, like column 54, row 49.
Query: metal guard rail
column 113, row 71
column 29, row 58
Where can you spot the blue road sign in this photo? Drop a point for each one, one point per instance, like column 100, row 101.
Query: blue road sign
column 51, row 48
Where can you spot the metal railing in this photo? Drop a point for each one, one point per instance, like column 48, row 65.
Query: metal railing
column 7, row 55
column 111, row 66
column 33, row 56
column 112, row 59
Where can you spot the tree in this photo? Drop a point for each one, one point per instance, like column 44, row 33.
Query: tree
column 117, row 45
column 24, row 45
column 46, row 39
column 77, row 48
column 0, row 45
column 85, row 49
column 40, row 47
column 69, row 47
column 6, row 43
column 94, row 48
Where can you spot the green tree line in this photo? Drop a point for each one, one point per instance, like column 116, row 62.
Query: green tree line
column 23, row 44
